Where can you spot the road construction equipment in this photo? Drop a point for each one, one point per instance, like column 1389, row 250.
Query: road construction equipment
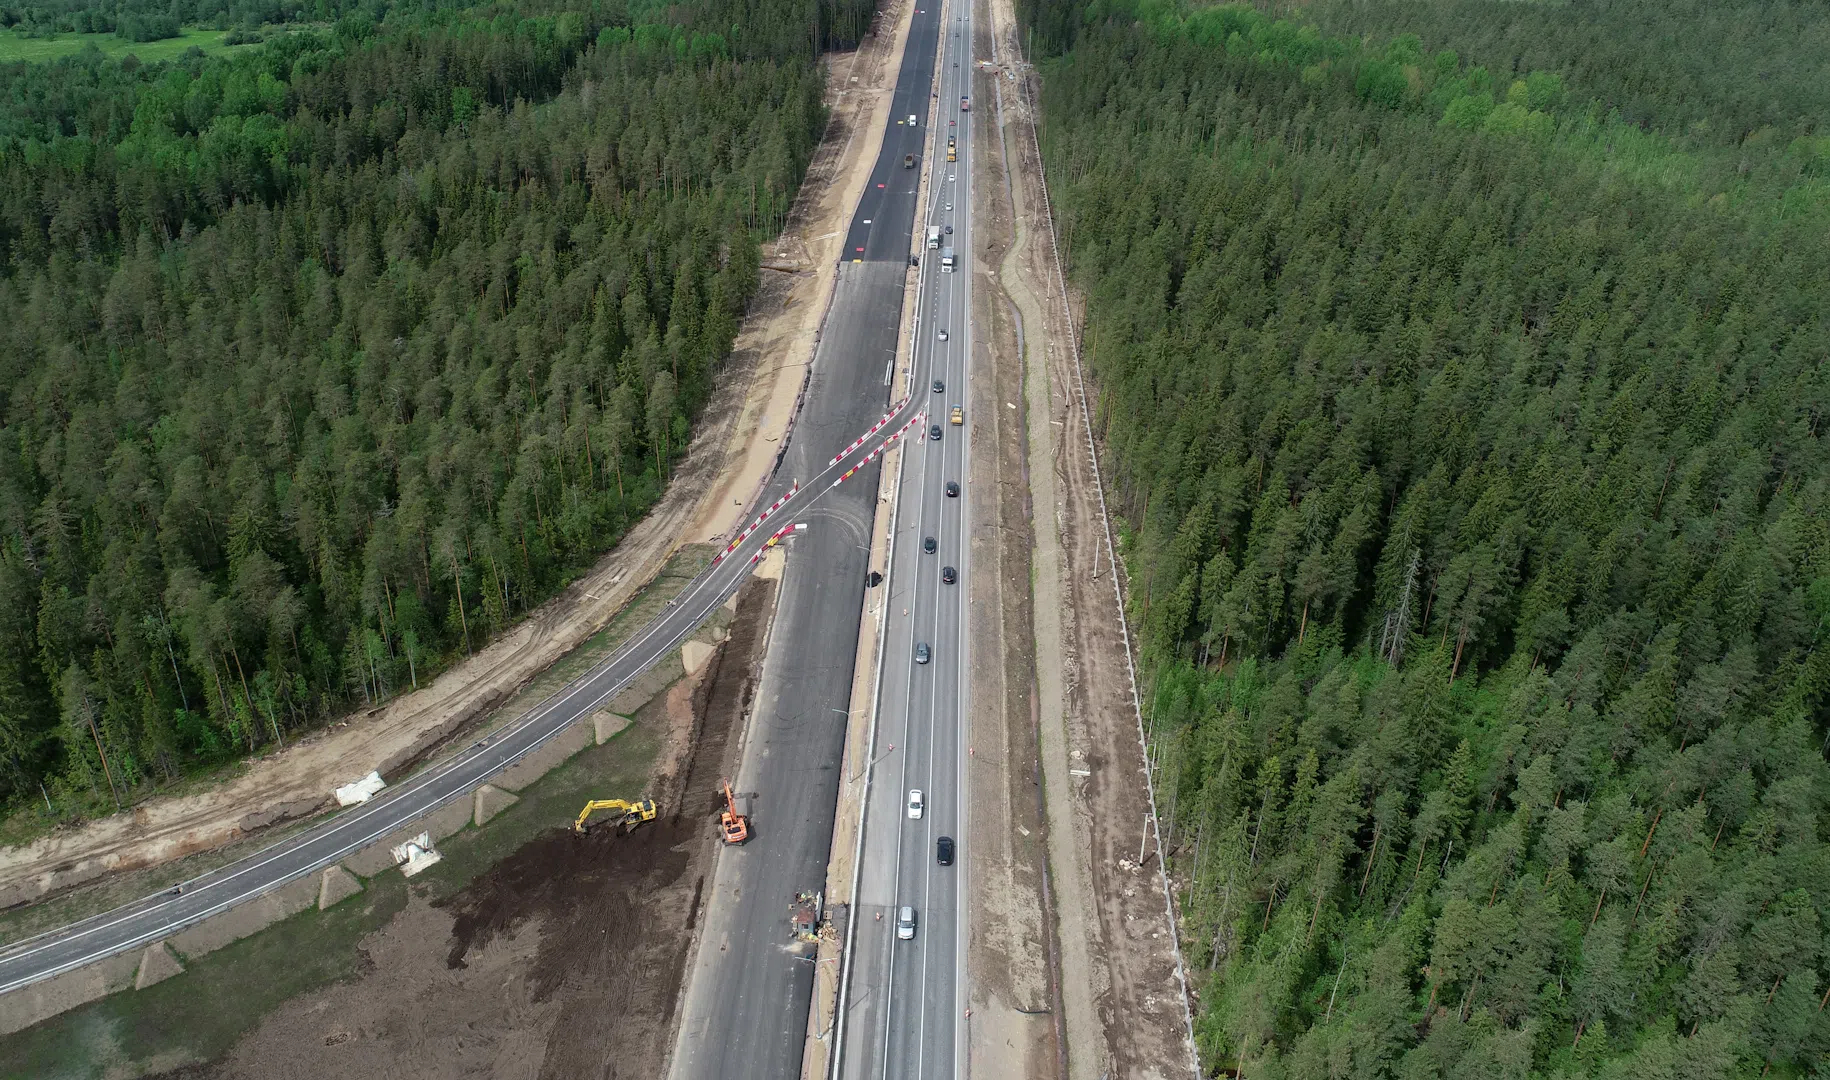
column 733, row 821
column 626, row 813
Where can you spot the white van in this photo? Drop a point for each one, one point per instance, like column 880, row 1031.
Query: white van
column 905, row 923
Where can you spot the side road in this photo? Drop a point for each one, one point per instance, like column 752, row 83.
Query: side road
column 738, row 438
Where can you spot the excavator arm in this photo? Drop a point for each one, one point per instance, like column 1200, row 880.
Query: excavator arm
column 632, row 813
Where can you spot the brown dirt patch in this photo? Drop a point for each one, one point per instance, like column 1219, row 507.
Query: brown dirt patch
column 1013, row 1028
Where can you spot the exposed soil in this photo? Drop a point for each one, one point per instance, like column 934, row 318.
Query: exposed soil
column 1013, row 1029
column 564, row 959
column 1122, row 1010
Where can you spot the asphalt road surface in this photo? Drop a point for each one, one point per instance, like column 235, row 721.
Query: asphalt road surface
column 748, row 995
column 904, row 1000
column 797, row 769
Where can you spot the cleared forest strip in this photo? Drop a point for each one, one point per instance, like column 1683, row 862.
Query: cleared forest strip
column 1109, row 925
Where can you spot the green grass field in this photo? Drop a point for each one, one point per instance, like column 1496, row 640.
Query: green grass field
column 15, row 46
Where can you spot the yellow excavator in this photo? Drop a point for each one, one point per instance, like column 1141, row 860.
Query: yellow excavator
column 627, row 813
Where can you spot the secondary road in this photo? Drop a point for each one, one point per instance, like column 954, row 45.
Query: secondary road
column 904, row 1000
column 747, row 996
column 847, row 395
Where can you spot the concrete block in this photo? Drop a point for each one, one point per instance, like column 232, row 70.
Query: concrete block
column 542, row 761
column 607, row 725
column 694, row 654
column 489, row 801
column 379, row 855
column 245, row 919
column 28, row 1005
column 447, row 819
column 337, row 884
column 157, row 964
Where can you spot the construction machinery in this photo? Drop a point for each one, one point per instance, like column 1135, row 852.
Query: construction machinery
column 626, row 812
column 734, row 819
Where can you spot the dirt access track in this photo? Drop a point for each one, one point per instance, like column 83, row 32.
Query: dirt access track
column 1115, row 974
column 736, row 441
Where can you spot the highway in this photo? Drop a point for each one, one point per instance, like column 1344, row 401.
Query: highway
column 744, row 1012
column 904, row 999
column 848, row 393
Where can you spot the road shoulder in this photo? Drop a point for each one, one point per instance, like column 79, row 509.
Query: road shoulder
column 1012, row 1027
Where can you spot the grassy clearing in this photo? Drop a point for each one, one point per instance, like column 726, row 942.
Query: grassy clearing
column 199, row 1015
column 15, row 46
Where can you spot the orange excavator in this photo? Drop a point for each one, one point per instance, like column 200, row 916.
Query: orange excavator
column 734, row 819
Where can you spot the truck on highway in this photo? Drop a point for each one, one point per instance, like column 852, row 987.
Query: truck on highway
column 946, row 260
column 952, row 155
column 934, row 236
column 957, row 416
column 908, row 161
column 965, row 105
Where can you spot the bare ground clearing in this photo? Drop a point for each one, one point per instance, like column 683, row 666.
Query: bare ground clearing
column 1013, row 1028
column 735, row 445
column 1122, row 1008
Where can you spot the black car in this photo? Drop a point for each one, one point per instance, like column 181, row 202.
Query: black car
column 943, row 851
column 947, row 575
column 952, row 488
column 939, row 387
column 934, row 431
column 928, row 545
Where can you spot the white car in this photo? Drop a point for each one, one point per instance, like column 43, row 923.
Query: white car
column 949, row 208
column 949, row 180
column 905, row 923
column 943, row 335
column 915, row 804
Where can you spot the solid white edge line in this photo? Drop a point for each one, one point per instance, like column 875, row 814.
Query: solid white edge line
column 835, row 1058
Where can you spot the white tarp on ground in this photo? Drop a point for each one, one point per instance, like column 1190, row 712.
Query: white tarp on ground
column 416, row 854
column 361, row 791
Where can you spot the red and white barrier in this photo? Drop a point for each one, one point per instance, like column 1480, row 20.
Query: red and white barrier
column 772, row 541
column 866, row 437
column 872, row 456
column 757, row 524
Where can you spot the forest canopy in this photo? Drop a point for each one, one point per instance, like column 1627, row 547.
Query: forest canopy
column 1465, row 388
column 324, row 360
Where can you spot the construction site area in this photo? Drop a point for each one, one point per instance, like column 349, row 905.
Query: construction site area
column 531, row 949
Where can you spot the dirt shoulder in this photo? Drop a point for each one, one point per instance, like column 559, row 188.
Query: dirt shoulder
column 733, row 451
column 1013, row 1029
column 1122, row 1013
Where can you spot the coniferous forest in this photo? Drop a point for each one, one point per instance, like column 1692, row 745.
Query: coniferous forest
column 1465, row 373
column 326, row 359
